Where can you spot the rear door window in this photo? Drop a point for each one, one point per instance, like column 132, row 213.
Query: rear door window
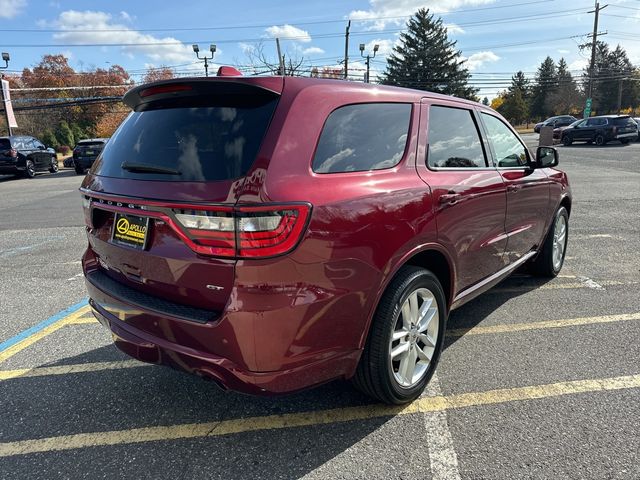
column 624, row 122
column 189, row 141
column 453, row 137
column 363, row 137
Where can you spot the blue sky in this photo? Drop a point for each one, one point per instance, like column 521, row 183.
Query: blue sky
column 497, row 37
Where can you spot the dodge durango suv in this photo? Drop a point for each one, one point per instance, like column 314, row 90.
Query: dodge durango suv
column 273, row 234
column 599, row 130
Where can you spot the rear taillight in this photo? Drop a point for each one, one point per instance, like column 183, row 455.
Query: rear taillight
column 86, row 208
column 246, row 231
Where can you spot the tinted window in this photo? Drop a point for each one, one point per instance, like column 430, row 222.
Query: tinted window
column 203, row 142
column 624, row 122
column 368, row 136
column 5, row 144
column 18, row 144
column 453, row 139
column 595, row 122
column 506, row 146
column 37, row 144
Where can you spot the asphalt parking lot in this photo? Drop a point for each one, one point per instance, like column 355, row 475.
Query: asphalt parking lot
column 538, row 379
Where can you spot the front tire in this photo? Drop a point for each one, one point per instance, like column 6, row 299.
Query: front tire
column 30, row 170
column 405, row 338
column 600, row 141
column 54, row 165
column 551, row 258
column 566, row 140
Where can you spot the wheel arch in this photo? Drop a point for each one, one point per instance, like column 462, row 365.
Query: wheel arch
column 434, row 258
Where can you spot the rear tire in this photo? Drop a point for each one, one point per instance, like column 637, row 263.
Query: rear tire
column 600, row 141
column 551, row 258
column 80, row 170
column 566, row 140
column 624, row 141
column 405, row 338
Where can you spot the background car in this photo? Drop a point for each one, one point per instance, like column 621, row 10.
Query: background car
column 85, row 153
column 557, row 121
column 600, row 130
column 24, row 155
column 637, row 119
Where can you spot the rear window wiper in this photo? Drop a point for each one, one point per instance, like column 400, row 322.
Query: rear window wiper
column 147, row 168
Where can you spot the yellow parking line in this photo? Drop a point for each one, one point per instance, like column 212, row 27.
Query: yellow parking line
column 519, row 327
column 18, row 347
column 321, row 417
column 67, row 369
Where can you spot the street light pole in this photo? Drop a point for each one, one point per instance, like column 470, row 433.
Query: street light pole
column 5, row 58
column 368, row 59
column 212, row 49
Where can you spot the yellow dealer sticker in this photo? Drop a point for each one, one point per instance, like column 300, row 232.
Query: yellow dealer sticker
column 130, row 230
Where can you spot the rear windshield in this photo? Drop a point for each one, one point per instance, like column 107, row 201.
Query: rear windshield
column 196, row 142
column 91, row 144
column 623, row 122
column 5, row 143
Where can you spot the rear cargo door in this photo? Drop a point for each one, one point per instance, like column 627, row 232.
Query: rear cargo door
column 160, row 195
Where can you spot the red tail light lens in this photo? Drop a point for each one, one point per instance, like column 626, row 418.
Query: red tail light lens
column 246, row 232
column 171, row 88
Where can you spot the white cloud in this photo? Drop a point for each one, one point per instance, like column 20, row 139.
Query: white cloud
column 454, row 29
column 578, row 64
column 246, row 47
column 385, row 46
column 313, row 51
column 11, row 8
column 126, row 17
column 384, row 12
column 88, row 27
column 289, row 32
column 563, row 51
column 476, row 60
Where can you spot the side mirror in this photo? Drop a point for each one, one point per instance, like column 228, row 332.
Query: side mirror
column 546, row 157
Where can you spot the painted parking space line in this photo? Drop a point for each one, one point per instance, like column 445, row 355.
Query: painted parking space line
column 28, row 337
column 543, row 325
column 69, row 369
column 319, row 417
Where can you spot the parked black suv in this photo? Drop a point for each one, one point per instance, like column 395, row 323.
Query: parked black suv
column 86, row 152
column 555, row 122
column 600, row 130
column 23, row 155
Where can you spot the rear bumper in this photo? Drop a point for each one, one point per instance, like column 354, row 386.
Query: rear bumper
column 630, row 136
column 83, row 162
column 221, row 349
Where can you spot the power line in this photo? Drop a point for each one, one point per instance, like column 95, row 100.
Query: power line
column 238, row 27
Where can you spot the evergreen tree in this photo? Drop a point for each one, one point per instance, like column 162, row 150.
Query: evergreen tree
column 613, row 72
column 427, row 60
column 515, row 107
column 546, row 82
column 566, row 98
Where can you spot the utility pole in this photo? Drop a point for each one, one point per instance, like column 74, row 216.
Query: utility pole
column 592, row 65
column 280, row 58
column 346, row 51
column 620, row 94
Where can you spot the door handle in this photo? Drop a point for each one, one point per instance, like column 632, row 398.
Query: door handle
column 513, row 188
column 450, row 198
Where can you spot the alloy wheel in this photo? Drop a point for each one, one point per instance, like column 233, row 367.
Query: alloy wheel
column 559, row 241
column 413, row 341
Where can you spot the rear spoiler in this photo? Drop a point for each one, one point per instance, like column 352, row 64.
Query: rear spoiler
column 191, row 88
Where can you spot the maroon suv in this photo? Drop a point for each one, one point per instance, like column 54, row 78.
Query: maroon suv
column 276, row 233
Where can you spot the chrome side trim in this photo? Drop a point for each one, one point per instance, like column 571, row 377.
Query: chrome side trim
column 473, row 291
